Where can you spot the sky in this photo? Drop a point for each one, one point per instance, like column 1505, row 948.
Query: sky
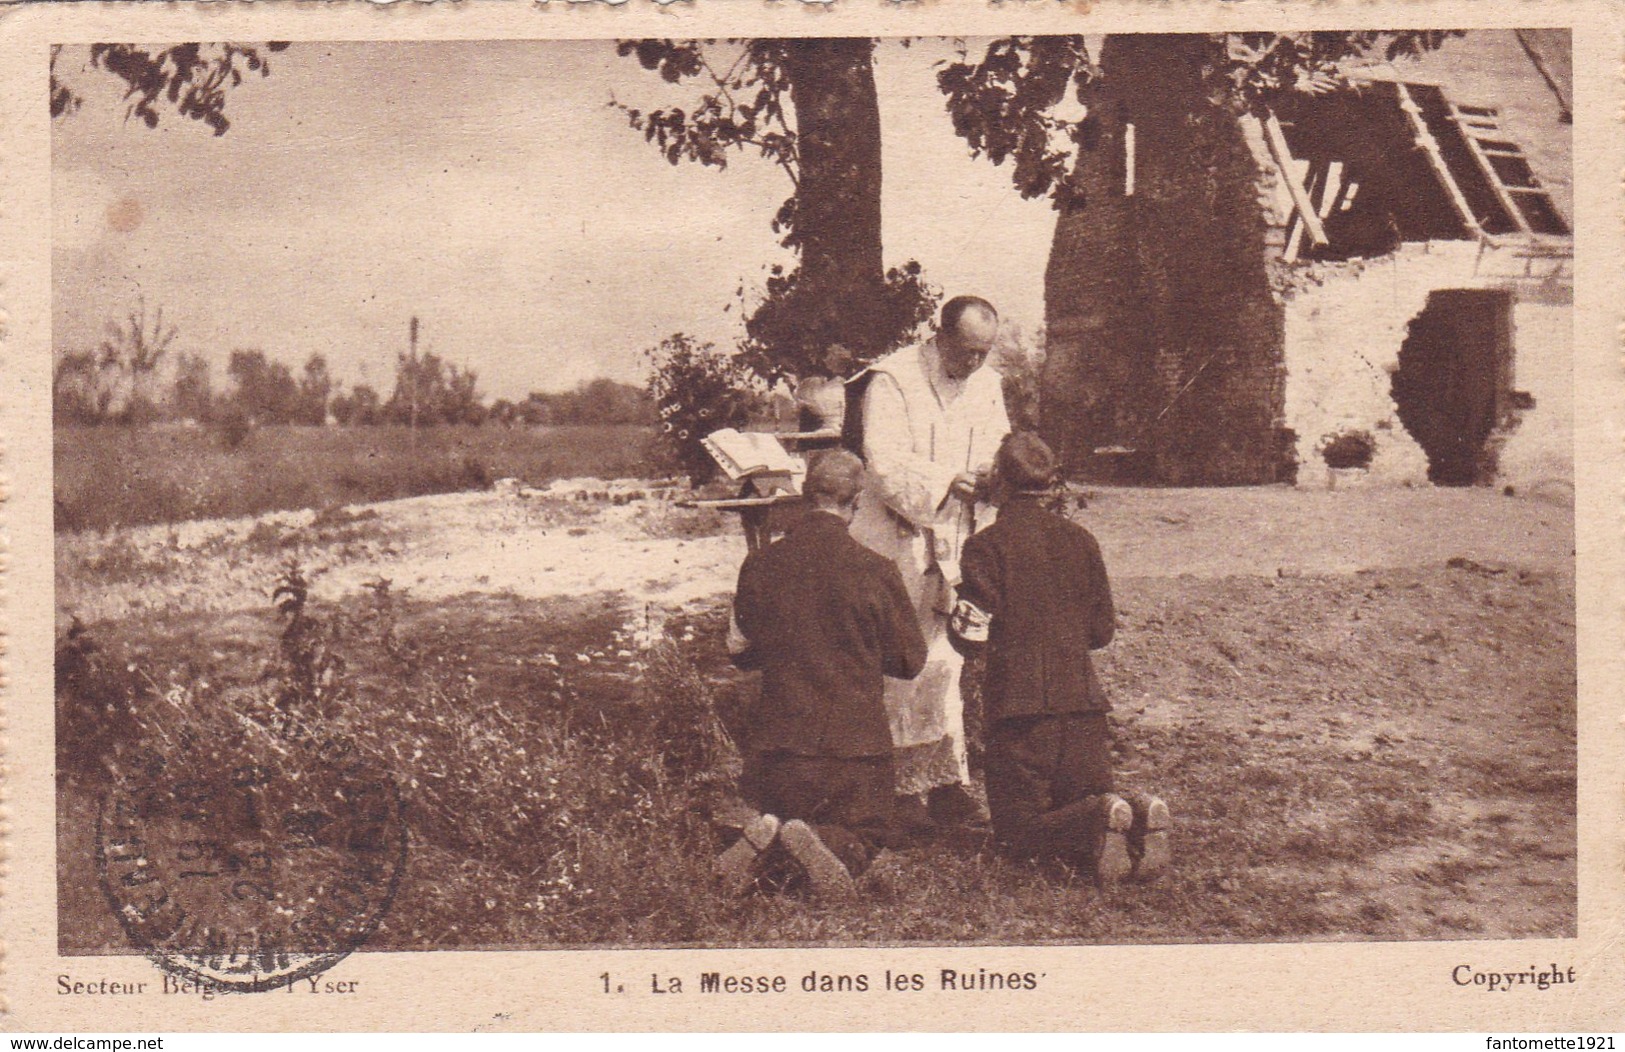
column 490, row 189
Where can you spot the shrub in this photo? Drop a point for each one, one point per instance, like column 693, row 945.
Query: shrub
column 232, row 427
column 1348, row 449
column 697, row 390
column 472, row 473
column 96, row 701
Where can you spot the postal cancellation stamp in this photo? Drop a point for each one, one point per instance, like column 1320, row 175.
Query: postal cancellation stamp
column 253, row 877
column 784, row 515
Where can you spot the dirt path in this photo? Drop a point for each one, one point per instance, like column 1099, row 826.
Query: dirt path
column 581, row 537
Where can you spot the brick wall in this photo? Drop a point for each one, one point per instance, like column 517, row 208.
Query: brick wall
column 1149, row 292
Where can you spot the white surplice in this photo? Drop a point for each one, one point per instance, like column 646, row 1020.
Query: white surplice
column 920, row 430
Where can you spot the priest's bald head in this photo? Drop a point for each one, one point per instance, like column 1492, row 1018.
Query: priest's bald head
column 966, row 334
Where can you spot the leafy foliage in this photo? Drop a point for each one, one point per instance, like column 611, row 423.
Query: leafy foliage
column 362, row 406
column 743, row 109
column 1019, row 359
column 697, row 390
column 797, row 332
column 95, row 704
column 1007, row 108
column 310, row 668
column 77, row 394
column 430, row 391
column 315, row 384
column 1348, row 448
column 1008, row 105
column 1258, row 69
column 544, row 798
column 193, row 397
column 266, row 390
column 192, row 79
column 600, row 401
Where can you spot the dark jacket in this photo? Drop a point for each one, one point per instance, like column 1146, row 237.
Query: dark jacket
column 1041, row 582
column 825, row 619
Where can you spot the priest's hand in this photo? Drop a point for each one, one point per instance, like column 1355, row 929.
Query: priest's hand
column 968, row 486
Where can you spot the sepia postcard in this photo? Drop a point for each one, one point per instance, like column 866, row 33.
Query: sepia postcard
column 812, row 516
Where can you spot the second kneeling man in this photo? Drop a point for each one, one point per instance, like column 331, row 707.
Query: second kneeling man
column 825, row 619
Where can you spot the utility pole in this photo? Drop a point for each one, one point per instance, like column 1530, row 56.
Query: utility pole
column 412, row 369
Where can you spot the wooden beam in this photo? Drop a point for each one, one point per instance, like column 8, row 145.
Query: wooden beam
column 1294, row 241
column 1325, row 181
column 1332, row 191
column 1489, row 171
column 1128, row 159
column 1430, row 146
column 1282, row 155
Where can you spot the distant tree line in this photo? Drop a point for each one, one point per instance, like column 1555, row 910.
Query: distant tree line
column 133, row 378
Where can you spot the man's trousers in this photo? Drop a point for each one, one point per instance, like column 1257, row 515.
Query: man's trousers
column 1044, row 775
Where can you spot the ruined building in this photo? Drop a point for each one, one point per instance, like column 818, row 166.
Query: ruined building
column 1379, row 279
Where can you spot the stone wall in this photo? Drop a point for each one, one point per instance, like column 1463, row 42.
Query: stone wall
column 1540, row 452
column 1345, row 324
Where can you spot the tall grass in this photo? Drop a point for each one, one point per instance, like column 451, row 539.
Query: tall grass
column 551, row 808
column 115, row 476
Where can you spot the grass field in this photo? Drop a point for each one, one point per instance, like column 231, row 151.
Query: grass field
column 1334, row 745
column 117, row 476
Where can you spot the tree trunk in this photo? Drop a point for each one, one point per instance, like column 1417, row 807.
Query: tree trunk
column 837, row 219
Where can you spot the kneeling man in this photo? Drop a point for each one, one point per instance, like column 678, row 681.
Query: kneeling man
column 825, row 619
column 1036, row 600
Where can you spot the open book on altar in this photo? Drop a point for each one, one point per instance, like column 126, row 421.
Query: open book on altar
column 747, row 454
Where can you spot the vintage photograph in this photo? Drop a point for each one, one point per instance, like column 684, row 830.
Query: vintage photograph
column 831, row 491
